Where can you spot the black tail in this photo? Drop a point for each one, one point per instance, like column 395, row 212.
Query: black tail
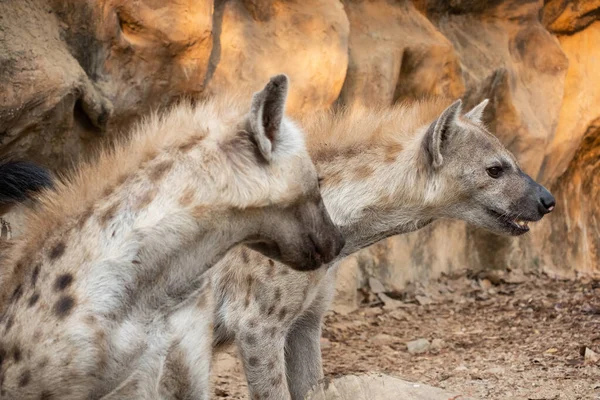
column 20, row 179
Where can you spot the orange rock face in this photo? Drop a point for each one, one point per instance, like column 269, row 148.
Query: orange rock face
column 396, row 54
column 571, row 241
column 73, row 73
column 307, row 40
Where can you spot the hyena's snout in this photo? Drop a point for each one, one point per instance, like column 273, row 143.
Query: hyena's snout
column 540, row 198
column 546, row 202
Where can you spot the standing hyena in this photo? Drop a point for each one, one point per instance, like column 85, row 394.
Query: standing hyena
column 96, row 292
column 384, row 173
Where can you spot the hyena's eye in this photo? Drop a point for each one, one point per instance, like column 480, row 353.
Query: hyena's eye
column 494, row 172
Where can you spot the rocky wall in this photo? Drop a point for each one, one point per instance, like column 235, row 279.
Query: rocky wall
column 73, row 73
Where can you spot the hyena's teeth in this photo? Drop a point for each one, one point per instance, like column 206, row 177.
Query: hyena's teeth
column 521, row 223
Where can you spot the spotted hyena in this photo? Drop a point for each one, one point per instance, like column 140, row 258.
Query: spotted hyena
column 98, row 289
column 384, row 172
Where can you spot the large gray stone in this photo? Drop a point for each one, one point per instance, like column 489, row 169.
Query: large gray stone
column 377, row 387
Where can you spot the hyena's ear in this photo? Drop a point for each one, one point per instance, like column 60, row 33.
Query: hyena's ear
column 266, row 114
column 439, row 132
column 476, row 113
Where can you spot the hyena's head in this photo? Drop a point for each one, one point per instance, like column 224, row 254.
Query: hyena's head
column 483, row 182
column 295, row 227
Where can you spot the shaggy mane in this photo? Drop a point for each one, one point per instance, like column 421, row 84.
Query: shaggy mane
column 76, row 191
column 359, row 127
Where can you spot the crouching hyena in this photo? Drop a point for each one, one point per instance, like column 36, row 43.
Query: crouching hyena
column 96, row 292
column 384, row 173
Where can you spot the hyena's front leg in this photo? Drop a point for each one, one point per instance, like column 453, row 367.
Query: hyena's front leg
column 262, row 352
column 187, row 365
column 303, row 353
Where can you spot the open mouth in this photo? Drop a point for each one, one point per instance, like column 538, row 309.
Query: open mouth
column 515, row 225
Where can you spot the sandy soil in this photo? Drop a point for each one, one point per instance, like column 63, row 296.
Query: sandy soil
column 518, row 340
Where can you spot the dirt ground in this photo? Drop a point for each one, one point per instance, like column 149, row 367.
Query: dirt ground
column 519, row 340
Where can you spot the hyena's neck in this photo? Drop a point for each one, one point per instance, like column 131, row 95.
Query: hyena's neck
column 376, row 181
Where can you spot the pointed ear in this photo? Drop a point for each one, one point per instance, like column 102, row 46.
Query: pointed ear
column 439, row 131
column 266, row 114
column 476, row 113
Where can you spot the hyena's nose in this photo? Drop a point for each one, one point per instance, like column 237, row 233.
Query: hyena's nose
column 546, row 202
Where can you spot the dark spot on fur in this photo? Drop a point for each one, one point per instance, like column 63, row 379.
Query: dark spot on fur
column 190, row 143
column 18, row 268
column 2, row 356
column 18, row 292
column 158, row 170
column 305, row 291
column 277, row 381
column 146, row 198
column 392, row 152
column 35, row 274
column 43, row 363
column 271, row 268
column 271, row 364
column 263, row 307
column 253, row 361
column 284, row 271
column 199, row 211
column 245, row 257
column 63, row 306
column 33, row 299
column 57, row 251
column 282, row 313
column 187, row 197
column 252, row 324
column 85, row 216
column 9, row 323
column 62, row 282
column 121, row 179
column 251, row 339
column 46, row 395
column 16, row 354
column 271, row 309
column 277, row 295
column 24, row 378
column 108, row 214
column 249, row 283
column 107, row 191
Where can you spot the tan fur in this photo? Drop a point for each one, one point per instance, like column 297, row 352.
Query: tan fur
column 350, row 131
